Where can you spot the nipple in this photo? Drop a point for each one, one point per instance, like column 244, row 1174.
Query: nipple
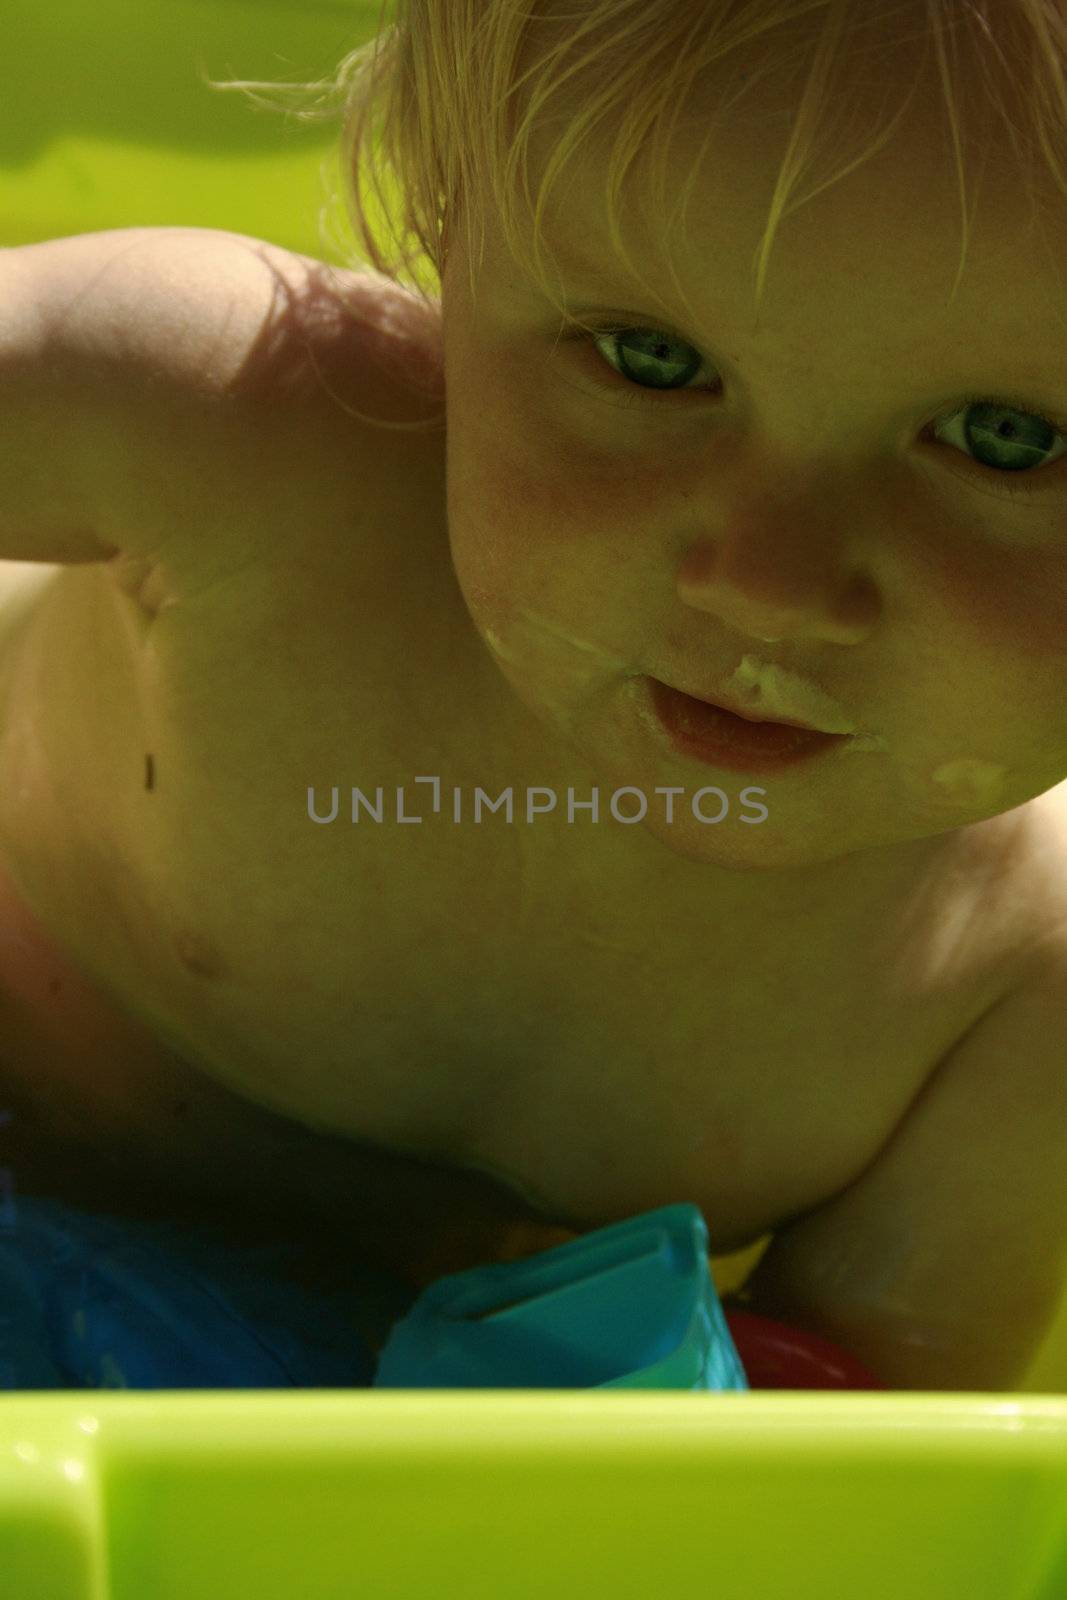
column 199, row 955
column 969, row 782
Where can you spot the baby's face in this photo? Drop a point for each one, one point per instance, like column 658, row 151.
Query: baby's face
column 779, row 480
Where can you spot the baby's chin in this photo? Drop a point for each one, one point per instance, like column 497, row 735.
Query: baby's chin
column 746, row 851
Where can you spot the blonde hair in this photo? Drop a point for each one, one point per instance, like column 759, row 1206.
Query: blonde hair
column 440, row 105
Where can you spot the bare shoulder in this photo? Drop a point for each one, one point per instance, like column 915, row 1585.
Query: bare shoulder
column 247, row 383
column 266, row 323
column 224, row 310
column 306, row 328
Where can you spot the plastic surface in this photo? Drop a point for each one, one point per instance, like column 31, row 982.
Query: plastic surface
column 92, row 1301
column 502, row 1495
column 631, row 1306
column 776, row 1355
column 106, row 120
column 95, row 1301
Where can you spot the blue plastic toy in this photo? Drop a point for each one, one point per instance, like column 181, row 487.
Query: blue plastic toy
column 93, row 1301
column 632, row 1306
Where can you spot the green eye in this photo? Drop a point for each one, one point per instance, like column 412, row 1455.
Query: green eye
column 645, row 353
column 1012, row 436
column 650, row 353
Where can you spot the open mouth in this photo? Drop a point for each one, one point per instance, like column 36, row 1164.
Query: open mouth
column 722, row 738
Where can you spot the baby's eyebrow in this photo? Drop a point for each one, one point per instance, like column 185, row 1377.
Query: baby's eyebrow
column 585, row 293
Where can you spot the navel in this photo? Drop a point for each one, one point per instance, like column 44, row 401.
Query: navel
column 199, row 955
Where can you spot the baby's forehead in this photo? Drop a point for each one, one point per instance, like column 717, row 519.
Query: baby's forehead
column 895, row 219
column 724, row 144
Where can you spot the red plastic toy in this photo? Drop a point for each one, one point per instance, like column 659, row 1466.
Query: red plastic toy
column 777, row 1356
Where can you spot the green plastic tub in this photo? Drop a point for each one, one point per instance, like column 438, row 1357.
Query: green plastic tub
column 106, row 122
column 522, row 1496
column 486, row 1495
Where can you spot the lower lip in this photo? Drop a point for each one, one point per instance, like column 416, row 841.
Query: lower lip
column 709, row 734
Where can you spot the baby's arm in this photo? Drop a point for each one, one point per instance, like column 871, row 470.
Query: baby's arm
column 139, row 385
column 944, row 1264
column 50, row 408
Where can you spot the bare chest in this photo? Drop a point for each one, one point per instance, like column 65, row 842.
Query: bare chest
column 757, row 1073
column 472, row 994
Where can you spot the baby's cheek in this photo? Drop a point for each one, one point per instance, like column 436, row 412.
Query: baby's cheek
column 1007, row 603
column 969, row 782
column 583, row 529
column 517, row 526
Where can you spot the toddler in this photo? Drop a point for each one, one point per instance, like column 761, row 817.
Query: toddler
column 591, row 735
